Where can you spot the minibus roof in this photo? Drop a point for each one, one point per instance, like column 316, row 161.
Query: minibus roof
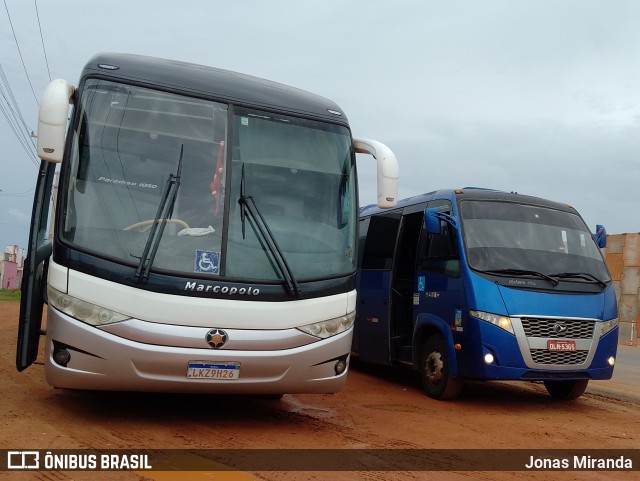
column 470, row 193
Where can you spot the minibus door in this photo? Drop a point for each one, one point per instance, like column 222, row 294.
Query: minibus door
column 438, row 274
column 372, row 326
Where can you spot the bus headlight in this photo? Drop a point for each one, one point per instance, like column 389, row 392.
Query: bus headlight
column 82, row 310
column 495, row 319
column 606, row 326
column 325, row 329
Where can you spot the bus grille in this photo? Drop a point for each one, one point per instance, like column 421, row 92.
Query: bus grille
column 575, row 328
column 542, row 356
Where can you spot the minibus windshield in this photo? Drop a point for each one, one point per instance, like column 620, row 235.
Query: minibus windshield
column 510, row 237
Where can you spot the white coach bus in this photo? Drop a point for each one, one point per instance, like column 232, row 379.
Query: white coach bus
column 205, row 232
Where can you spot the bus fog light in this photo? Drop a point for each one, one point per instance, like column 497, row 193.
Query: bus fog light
column 340, row 366
column 611, row 361
column 61, row 357
column 489, row 358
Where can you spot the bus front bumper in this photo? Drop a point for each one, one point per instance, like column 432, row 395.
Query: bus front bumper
column 99, row 360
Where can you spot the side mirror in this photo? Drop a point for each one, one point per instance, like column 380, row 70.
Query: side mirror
column 52, row 120
column 388, row 172
column 432, row 221
column 432, row 218
column 600, row 236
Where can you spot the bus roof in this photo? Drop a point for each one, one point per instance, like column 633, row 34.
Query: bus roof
column 470, row 193
column 220, row 84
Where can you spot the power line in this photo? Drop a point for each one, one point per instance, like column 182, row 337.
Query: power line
column 18, row 194
column 5, row 81
column 13, row 115
column 35, row 2
column 16, row 131
column 20, row 53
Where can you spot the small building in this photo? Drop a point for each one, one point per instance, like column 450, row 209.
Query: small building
column 11, row 267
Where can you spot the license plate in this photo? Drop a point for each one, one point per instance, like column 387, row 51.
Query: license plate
column 216, row 371
column 561, row 345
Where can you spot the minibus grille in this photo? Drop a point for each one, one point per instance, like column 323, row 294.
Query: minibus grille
column 542, row 356
column 558, row 328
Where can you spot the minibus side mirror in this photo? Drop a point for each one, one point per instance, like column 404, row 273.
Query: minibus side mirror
column 432, row 218
column 432, row 221
column 600, row 236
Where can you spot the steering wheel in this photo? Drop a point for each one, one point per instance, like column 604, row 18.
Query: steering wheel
column 147, row 223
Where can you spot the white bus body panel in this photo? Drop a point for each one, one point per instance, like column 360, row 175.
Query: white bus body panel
column 103, row 361
column 152, row 350
column 199, row 311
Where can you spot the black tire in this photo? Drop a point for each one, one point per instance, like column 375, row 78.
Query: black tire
column 566, row 390
column 434, row 370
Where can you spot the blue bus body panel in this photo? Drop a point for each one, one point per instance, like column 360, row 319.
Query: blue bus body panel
column 371, row 331
column 528, row 302
column 481, row 338
column 510, row 365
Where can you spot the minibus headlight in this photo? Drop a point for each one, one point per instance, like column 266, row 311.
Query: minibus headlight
column 606, row 326
column 495, row 319
column 325, row 329
column 82, row 310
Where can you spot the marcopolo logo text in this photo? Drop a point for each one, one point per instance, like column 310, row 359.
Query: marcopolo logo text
column 218, row 289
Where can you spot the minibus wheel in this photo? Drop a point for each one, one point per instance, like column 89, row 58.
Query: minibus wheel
column 567, row 390
column 434, row 370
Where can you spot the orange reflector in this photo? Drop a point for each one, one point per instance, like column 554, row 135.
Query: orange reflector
column 457, row 347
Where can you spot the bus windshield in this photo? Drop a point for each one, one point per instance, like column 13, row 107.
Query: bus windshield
column 131, row 141
column 505, row 236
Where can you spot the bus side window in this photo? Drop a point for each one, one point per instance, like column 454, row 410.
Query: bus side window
column 381, row 241
column 439, row 252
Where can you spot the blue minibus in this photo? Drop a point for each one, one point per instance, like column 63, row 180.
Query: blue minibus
column 485, row 285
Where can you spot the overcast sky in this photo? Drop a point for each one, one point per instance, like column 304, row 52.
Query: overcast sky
column 540, row 97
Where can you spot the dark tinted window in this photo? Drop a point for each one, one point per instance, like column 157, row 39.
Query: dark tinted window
column 381, row 240
column 439, row 252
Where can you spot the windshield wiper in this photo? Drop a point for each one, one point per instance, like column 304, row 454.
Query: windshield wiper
column 248, row 206
column 580, row 275
column 165, row 210
column 522, row 272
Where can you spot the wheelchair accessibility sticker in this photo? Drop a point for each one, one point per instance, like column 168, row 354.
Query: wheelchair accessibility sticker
column 207, row 262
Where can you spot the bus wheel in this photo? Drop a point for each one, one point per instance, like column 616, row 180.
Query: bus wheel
column 566, row 390
column 434, row 371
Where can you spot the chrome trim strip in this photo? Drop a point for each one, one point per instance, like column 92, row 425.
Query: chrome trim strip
column 195, row 337
column 526, row 344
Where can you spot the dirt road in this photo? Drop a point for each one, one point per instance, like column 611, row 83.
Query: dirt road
column 378, row 409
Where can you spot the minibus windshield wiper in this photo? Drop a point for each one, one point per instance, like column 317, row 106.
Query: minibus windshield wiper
column 523, row 272
column 580, row 275
column 248, row 206
column 165, row 210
